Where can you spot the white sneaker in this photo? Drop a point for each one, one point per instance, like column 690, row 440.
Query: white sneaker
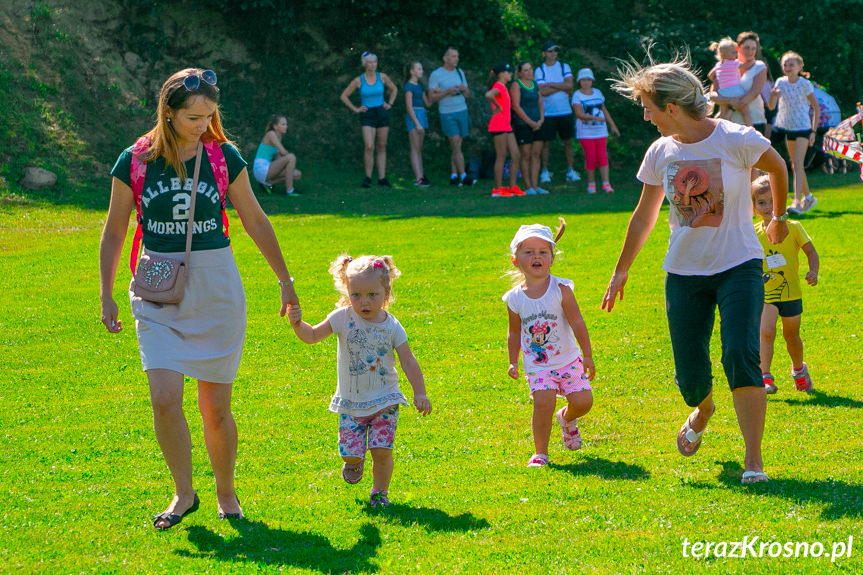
column 809, row 202
column 545, row 177
column 572, row 175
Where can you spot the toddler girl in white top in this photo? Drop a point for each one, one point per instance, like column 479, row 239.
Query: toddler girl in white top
column 367, row 394
column 546, row 324
column 725, row 77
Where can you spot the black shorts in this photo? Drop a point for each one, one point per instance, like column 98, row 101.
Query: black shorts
column 524, row 134
column 500, row 133
column 378, row 117
column 793, row 134
column 789, row 308
column 562, row 126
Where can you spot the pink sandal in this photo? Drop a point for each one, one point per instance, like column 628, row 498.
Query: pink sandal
column 569, row 431
column 538, row 460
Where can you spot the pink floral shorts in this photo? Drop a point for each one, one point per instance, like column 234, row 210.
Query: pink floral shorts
column 565, row 380
column 357, row 434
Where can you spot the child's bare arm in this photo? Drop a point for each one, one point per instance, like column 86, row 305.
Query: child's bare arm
column 513, row 342
column 812, row 256
column 579, row 329
column 411, row 368
column 306, row 332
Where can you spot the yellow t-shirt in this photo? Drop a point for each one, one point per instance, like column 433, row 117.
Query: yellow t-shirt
column 781, row 265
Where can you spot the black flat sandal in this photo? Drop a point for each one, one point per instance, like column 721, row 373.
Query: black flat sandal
column 223, row 515
column 173, row 518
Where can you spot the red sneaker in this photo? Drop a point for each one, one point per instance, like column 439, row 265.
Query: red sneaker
column 516, row 191
column 500, row 193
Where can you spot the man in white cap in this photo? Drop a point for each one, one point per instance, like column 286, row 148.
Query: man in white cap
column 555, row 86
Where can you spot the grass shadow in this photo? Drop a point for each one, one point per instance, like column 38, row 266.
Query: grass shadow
column 261, row 544
column 820, row 399
column 606, row 469
column 842, row 499
column 431, row 519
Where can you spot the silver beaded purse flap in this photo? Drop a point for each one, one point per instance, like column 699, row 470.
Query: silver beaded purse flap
column 162, row 279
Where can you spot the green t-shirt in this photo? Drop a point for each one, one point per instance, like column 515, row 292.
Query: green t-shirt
column 165, row 202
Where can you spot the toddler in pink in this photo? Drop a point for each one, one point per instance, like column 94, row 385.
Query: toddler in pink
column 725, row 77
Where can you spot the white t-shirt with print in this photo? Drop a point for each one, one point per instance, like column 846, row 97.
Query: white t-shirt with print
column 547, row 341
column 592, row 106
column 793, row 111
column 707, row 185
column 368, row 381
column 556, row 104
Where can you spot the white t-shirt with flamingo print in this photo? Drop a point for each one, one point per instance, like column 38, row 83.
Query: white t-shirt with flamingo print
column 547, row 341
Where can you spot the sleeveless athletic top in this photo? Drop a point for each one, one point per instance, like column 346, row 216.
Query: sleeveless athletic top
column 372, row 95
column 266, row 152
column 529, row 103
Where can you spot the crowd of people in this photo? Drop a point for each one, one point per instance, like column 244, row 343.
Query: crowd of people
column 716, row 258
column 539, row 105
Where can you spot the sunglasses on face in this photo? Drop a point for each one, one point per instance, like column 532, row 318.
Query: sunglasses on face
column 193, row 82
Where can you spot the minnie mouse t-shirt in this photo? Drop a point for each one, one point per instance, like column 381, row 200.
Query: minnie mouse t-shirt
column 547, row 341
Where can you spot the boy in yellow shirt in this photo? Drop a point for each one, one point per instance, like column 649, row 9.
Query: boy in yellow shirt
column 782, row 295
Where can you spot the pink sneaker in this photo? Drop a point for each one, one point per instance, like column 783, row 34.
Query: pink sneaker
column 569, row 431
column 770, row 386
column 801, row 378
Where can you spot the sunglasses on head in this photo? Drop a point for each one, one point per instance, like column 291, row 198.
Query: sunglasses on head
column 193, row 82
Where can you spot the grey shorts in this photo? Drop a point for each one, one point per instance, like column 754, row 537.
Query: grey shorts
column 455, row 124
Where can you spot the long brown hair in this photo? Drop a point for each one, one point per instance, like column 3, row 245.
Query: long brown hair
column 173, row 96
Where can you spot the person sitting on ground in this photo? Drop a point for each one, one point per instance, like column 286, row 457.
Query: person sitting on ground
column 273, row 163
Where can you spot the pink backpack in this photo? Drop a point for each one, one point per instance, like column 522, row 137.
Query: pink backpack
column 139, row 170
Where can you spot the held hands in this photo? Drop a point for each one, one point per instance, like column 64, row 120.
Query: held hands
column 513, row 370
column 589, row 367
column 812, row 277
column 422, row 403
column 615, row 286
column 295, row 314
column 289, row 297
column 109, row 316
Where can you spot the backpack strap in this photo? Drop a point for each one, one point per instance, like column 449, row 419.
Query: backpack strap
column 138, row 172
column 220, row 171
column 542, row 69
column 461, row 75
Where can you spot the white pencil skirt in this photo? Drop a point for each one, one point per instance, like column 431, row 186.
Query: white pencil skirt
column 202, row 336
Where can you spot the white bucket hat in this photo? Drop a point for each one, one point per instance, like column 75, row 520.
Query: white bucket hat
column 532, row 231
column 585, row 73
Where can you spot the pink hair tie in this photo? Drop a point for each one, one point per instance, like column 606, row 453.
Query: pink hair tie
column 378, row 265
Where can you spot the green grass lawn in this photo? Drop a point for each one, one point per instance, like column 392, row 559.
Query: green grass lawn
column 82, row 473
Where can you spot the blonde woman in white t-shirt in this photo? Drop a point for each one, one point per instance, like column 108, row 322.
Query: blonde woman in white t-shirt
column 714, row 257
column 545, row 324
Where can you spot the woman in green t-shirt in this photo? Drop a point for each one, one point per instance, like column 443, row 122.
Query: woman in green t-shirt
column 202, row 336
